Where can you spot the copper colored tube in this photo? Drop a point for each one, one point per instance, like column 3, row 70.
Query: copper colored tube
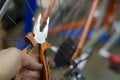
column 58, row 29
column 47, row 12
column 86, row 29
column 110, row 13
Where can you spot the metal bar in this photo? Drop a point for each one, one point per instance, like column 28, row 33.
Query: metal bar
column 94, row 39
column 76, row 25
column 58, row 14
column 47, row 12
column 86, row 29
column 74, row 18
column 102, row 14
column 111, row 41
column 72, row 10
column 111, row 12
column 4, row 8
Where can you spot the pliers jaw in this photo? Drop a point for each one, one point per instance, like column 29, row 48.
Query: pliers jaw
column 40, row 36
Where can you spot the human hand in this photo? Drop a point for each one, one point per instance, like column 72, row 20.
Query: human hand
column 26, row 74
column 12, row 60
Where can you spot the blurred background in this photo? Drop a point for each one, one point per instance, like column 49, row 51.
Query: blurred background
column 88, row 28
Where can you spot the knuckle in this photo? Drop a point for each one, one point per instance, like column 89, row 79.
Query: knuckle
column 14, row 51
column 13, row 48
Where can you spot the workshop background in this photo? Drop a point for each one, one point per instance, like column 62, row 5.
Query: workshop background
column 68, row 19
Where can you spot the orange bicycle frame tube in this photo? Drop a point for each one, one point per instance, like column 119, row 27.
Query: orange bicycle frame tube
column 86, row 29
column 110, row 13
column 47, row 12
column 58, row 29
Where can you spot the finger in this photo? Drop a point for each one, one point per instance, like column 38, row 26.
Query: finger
column 28, row 75
column 33, row 74
column 35, row 57
column 22, row 77
column 51, row 63
column 30, row 63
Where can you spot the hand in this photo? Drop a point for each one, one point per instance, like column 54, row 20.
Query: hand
column 33, row 75
column 26, row 74
column 12, row 60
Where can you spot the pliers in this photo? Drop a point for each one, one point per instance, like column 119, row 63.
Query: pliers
column 36, row 43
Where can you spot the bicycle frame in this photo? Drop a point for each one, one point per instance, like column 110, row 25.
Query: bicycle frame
column 86, row 29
